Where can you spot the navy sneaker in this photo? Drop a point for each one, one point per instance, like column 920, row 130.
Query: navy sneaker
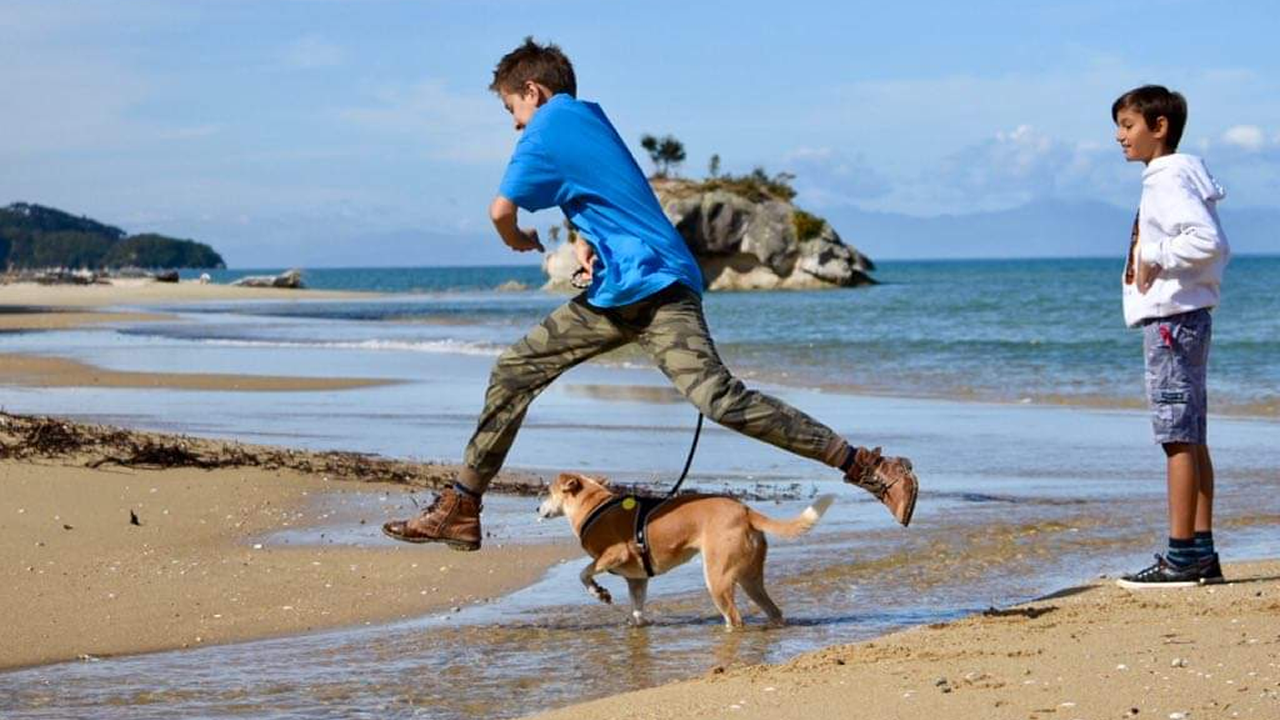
column 1164, row 574
column 1211, row 571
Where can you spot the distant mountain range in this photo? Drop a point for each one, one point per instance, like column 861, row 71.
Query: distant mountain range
column 34, row 236
column 1049, row 228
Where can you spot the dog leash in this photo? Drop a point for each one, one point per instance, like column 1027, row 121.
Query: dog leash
column 643, row 507
column 647, row 509
column 697, row 431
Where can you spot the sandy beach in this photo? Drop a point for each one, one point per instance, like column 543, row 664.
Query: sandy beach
column 1095, row 651
column 148, row 292
column 85, row 581
column 27, row 307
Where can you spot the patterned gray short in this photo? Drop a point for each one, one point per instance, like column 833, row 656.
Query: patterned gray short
column 1177, row 353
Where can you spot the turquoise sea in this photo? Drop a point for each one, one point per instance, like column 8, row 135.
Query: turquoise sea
column 1012, row 385
column 1002, row 330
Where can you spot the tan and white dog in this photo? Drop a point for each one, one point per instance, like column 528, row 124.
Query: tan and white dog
column 730, row 536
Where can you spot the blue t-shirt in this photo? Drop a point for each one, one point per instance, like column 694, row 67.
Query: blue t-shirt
column 571, row 156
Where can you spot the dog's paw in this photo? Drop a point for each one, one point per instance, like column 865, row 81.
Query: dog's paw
column 638, row 620
column 602, row 595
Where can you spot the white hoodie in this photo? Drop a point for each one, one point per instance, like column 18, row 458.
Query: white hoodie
column 1178, row 228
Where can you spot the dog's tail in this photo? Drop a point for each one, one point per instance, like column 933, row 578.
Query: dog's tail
column 797, row 525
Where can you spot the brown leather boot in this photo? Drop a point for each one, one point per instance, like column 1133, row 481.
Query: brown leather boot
column 453, row 518
column 890, row 479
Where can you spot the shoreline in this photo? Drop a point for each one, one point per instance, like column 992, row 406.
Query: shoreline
column 194, row 570
column 22, row 370
column 27, row 307
column 198, row 579
column 149, row 292
column 1089, row 651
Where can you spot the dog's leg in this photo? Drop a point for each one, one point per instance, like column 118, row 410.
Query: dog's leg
column 610, row 559
column 638, row 587
column 753, row 586
column 752, row 582
column 721, row 583
column 588, row 577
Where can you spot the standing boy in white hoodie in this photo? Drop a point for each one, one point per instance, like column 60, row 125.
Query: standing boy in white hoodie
column 1172, row 279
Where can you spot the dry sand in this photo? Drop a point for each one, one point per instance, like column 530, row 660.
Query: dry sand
column 77, row 578
column 1091, row 652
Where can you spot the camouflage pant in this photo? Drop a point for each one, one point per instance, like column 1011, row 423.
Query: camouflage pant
column 670, row 326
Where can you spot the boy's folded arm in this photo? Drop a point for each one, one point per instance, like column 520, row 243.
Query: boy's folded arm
column 504, row 214
column 1193, row 239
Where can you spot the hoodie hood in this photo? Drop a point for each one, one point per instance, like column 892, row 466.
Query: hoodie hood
column 1191, row 170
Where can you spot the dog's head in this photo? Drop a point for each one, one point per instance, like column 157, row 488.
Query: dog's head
column 566, row 489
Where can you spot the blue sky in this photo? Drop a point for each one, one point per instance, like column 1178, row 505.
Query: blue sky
column 319, row 132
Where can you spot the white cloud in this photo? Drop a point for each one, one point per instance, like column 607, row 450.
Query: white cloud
column 1007, row 169
column 311, row 52
column 826, row 177
column 1245, row 137
column 446, row 125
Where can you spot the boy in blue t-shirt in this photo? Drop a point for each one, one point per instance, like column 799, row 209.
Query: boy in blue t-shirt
column 645, row 287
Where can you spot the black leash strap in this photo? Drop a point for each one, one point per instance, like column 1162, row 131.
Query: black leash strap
column 643, row 508
column 689, row 461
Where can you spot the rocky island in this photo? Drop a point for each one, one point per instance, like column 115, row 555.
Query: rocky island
column 747, row 235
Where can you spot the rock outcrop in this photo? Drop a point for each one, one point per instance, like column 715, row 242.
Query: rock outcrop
column 745, row 243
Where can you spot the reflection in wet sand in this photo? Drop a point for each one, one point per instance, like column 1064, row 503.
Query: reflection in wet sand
column 626, row 393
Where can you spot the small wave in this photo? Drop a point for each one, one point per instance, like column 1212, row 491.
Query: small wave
column 457, row 347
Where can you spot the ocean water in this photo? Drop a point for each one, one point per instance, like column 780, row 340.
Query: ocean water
column 1006, row 330
column 1017, row 405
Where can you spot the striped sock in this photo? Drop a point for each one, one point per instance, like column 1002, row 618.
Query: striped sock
column 1182, row 552
column 1204, row 543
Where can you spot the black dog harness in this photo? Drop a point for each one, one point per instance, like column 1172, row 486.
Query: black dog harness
column 642, row 507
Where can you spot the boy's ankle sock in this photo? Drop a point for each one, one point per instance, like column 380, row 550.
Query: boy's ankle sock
column 466, row 490
column 1204, row 543
column 1182, row 552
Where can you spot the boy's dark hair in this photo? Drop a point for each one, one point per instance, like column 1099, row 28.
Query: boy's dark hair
column 544, row 64
column 1154, row 102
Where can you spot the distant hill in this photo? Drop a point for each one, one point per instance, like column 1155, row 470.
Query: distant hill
column 34, row 236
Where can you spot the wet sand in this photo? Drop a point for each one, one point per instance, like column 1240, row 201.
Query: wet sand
column 83, row 580
column 36, row 371
column 1095, row 651
column 147, row 292
column 27, row 307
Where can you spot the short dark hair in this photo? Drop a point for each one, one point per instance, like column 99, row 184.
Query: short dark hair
column 544, row 64
column 1154, row 102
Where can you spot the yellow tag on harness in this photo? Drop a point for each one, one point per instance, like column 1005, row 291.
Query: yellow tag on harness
column 629, row 503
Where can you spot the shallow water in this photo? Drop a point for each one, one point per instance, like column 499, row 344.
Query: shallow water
column 1003, row 519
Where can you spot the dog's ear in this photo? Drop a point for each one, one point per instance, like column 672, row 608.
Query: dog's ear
column 569, row 483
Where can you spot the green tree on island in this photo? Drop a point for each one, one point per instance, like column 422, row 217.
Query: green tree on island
column 666, row 153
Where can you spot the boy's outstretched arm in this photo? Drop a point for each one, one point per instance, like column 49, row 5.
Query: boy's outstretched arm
column 503, row 214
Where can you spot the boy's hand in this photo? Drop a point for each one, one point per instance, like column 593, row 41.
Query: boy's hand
column 586, row 256
column 1146, row 276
